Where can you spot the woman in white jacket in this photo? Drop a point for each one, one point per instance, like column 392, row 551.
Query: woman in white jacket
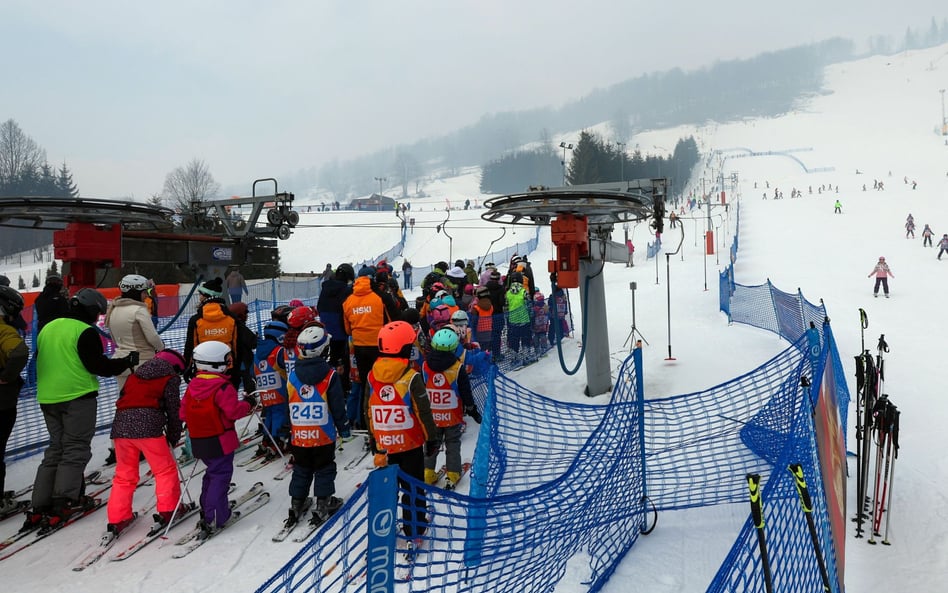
column 129, row 321
column 130, row 324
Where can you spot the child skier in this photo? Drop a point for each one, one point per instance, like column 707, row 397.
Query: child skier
column 482, row 318
column 400, row 419
column 317, row 414
column 882, row 273
column 271, row 381
column 210, row 407
column 943, row 245
column 449, row 391
column 927, row 235
column 147, row 422
column 541, row 323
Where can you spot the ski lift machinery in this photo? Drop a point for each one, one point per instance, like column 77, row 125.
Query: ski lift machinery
column 581, row 220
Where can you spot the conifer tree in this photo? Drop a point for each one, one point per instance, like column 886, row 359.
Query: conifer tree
column 64, row 184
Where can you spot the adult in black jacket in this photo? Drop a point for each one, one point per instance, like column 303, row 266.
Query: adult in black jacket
column 333, row 293
column 52, row 303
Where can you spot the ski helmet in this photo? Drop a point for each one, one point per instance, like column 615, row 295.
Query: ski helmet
column 459, row 318
column 214, row 357
column 439, row 317
column 133, row 282
column 396, row 339
column 445, row 340
column 281, row 313
column 313, row 341
column 300, row 316
column 89, row 302
column 275, row 331
column 11, row 302
column 172, row 357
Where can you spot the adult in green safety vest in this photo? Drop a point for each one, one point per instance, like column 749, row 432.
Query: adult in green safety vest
column 69, row 356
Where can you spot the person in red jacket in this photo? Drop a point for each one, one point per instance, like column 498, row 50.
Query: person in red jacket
column 147, row 422
column 210, row 407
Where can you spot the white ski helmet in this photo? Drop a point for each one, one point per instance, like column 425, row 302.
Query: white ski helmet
column 212, row 356
column 133, row 282
column 313, row 341
column 459, row 318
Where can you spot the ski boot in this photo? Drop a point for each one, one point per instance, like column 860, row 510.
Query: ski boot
column 297, row 508
column 326, row 507
column 115, row 529
column 64, row 509
column 451, row 480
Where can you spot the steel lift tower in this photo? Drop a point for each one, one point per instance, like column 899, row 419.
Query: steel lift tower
column 581, row 220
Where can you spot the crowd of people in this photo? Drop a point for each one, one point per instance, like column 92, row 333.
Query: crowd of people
column 363, row 358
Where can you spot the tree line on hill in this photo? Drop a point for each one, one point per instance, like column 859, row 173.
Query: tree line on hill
column 591, row 160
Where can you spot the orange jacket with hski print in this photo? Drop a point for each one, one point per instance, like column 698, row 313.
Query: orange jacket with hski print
column 364, row 313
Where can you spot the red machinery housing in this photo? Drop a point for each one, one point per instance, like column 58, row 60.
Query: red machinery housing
column 570, row 234
column 87, row 247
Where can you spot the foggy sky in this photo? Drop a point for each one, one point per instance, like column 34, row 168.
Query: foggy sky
column 124, row 92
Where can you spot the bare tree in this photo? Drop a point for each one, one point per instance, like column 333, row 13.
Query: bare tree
column 18, row 151
column 191, row 183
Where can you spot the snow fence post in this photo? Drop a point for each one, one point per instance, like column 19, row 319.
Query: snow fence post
column 380, row 555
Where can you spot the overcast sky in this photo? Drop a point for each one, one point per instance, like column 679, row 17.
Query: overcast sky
column 126, row 91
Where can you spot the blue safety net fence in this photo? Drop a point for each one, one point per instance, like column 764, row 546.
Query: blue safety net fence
column 558, row 484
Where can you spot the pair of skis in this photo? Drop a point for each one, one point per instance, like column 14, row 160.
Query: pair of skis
column 246, row 504
column 46, row 531
column 160, row 529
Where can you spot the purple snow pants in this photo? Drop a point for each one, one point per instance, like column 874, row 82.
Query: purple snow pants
column 214, row 504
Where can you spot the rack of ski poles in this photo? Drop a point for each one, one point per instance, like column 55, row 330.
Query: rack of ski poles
column 877, row 441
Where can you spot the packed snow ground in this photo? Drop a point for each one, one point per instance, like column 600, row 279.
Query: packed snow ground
column 879, row 117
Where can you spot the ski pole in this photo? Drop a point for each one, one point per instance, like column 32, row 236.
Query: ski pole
column 878, row 414
column 250, row 418
column 807, row 505
column 180, row 500
column 863, row 325
column 867, row 426
column 895, row 442
column 269, row 435
column 860, row 394
column 757, row 514
column 888, row 419
column 186, row 481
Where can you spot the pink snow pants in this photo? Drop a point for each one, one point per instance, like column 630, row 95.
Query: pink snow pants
column 163, row 466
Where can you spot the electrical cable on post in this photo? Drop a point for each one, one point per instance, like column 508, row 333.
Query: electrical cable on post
column 668, row 289
column 486, row 253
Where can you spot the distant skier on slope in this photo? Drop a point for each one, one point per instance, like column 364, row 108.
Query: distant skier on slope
column 882, row 273
column 943, row 245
